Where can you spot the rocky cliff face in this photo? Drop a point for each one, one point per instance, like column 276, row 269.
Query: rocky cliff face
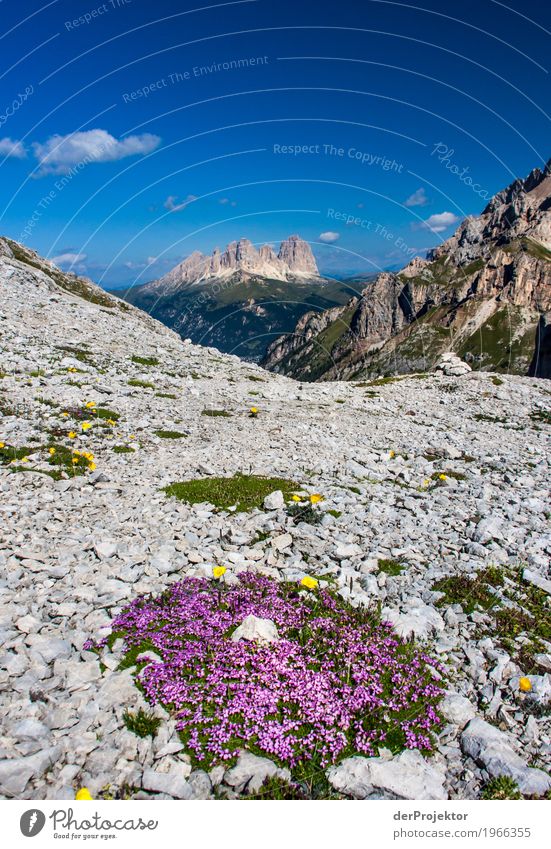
column 485, row 293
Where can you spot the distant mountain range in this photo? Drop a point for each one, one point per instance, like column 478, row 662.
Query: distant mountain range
column 238, row 300
column 485, row 293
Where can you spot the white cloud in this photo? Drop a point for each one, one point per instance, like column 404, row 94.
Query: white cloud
column 418, row 198
column 171, row 203
column 440, row 221
column 68, row 259
column 59, row 154
column 12, row 148
column 225, row 201
column 133, row 266
column 329, row 236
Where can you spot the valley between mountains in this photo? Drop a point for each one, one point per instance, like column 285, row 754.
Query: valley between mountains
column 422, row 498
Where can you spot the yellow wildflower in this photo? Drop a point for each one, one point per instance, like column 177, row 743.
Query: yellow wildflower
column 254, row 410
column 392, row 454
column 218, row 571
column 24, row 460
column 83, row 795
column 90, row 405
column 71, row 434
column 132, row 436
column 72, row 369
column 442, row 477
column 92, row 466
column 295, row 497
column 110, row 422
column 65, row 415
column 524, row 685
column 2, row 445
column 75, row 460
column 51, row 451
column 309, row 583
column 86, row 426
column 315, row 498
column 426, row 482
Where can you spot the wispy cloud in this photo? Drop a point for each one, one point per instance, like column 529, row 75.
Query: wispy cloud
column 59, row 154
column 418, row 198
column 133, row 266
column 440, row 221
column 12, row 148
column 172, row 204
column 67, row 260
column 227, row 201
column 329, row 236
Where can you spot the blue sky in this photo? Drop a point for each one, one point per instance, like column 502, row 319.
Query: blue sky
column 132, row 133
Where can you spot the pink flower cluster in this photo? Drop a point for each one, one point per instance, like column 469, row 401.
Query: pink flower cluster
column 337, row 682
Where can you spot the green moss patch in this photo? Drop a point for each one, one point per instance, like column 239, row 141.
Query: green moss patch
column 482, row 417
column 8, row 453
column 470, row 593
column 141, row 383
column 245, row 492
column 541, row 416
column 458, row 476
column 390, row 567
column 145, row 361
column 170, row 434
column 216, row 413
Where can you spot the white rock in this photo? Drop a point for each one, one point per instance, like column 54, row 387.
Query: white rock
column 491, row 748
column 49, row 647
column 274, row 501
column 15, row 774
column 345, row 551
column 406, row 776
column 31, row 729
column 255, row 628
column 457, row 709
column 488, row 529
column 537, row 580
column 250, row 772
column 105, row 549
column 173, row 783
column 281, row 542
column 419, row 619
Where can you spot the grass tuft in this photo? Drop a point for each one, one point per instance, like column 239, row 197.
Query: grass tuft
column 216, row 413
column 145, row 361
column 141, row 723
column 170, row 434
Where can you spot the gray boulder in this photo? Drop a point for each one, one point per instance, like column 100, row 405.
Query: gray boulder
column 406, row 776
column 250, row 772
column 491, row 749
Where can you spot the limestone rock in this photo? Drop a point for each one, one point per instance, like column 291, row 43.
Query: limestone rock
column 250, row 772
column 255, row 628
column 406, row 776
column 491, row 748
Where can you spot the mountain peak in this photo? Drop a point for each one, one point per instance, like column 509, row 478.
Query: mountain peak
column 297, row 254
column 294, row 260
